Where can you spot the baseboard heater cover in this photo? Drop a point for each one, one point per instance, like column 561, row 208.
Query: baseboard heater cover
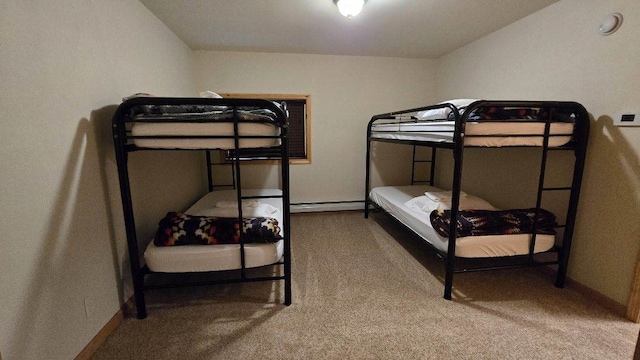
column 327, row 206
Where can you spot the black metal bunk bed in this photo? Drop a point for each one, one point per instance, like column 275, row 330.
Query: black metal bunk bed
column 452, row 131
column 236, row 116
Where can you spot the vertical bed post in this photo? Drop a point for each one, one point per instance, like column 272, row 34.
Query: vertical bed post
column 413, row 165
column 284, row 166
column 236, row 165
column 432, row 171
column 458, row 140
column 209, row 170
column 368, row 170
column 137, row 273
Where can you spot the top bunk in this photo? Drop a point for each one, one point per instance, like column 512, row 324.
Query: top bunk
column 148, row 122
column 484, row 123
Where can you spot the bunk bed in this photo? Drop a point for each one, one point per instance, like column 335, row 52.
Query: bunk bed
column 232, row 229
column 468, row 233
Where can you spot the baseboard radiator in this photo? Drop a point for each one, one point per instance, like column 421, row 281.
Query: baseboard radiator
column 303, row 207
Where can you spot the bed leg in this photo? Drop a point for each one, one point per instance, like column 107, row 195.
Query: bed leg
column 561, row 275
column 287, row 279
column 138, row 290
column 287, row 293
column 448, row 285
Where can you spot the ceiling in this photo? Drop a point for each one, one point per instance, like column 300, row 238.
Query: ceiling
column 396, row 28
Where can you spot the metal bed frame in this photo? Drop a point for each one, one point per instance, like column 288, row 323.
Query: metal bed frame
column 122, row 137
column 577, row 145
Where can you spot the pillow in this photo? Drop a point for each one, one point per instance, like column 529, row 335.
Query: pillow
column 443, row 113
column 234, row 204
column 442, row 195
column 441, row 200
column 210, row 94
column 468, row 202
column 181, row 229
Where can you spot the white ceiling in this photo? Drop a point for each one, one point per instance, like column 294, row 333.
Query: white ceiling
column 397, row 28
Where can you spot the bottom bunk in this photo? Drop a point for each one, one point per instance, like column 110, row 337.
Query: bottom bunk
column 201, row 258
column 206, row 239
column 486, row 238
column 412, row 207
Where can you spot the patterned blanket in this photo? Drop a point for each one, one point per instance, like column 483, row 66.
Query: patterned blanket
column 494, row 222
column 502, row 113
column 182, row 229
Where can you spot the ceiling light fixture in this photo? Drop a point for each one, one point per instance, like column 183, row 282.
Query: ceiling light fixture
column 349, row 8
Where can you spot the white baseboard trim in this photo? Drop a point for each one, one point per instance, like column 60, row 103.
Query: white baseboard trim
column 327, row 206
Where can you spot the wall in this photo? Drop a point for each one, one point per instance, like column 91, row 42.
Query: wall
column 345, row 92
column 65, row 66
column 557, row 54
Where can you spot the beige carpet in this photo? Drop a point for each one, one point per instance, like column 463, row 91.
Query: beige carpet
column 368, row 289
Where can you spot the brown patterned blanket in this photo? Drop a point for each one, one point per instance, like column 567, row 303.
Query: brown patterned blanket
column 494, row 222
column 182, row 229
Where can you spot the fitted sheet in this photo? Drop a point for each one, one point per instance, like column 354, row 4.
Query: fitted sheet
column 393, row 198
column 195, row 258
column 503, row 133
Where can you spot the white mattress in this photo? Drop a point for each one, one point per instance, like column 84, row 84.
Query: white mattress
column 204, row 129
column 194, row 258
column 442, row 131
column 393, row 199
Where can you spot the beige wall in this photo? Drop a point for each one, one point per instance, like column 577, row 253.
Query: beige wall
column 345, row 92
column 557, row 54
column 65, row 65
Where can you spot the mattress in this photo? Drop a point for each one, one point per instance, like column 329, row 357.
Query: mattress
column 487, row 134
column 218, row 129
column 393, row 198
column 194, row 258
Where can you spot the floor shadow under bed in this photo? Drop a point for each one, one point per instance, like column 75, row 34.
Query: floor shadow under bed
column 183, row 290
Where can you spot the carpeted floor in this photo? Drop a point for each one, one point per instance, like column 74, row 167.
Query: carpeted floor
column 368, row 289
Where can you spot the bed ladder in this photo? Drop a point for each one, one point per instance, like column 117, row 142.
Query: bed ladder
column 221, row 162
column 574, row 190
column 431, row 162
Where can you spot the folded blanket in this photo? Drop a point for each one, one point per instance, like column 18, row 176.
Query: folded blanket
column 181, row 229
column 494, row 222
column 504, row 113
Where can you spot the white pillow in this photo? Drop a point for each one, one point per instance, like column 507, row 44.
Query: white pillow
column 443, row 113
column 234, row 204
column 442, row 195
column 427, row 204
column 210, row 94
column 468, row 202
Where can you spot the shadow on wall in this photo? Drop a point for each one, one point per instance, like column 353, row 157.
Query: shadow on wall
column 102, row 120
column 75, row 251
column 613, row 191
